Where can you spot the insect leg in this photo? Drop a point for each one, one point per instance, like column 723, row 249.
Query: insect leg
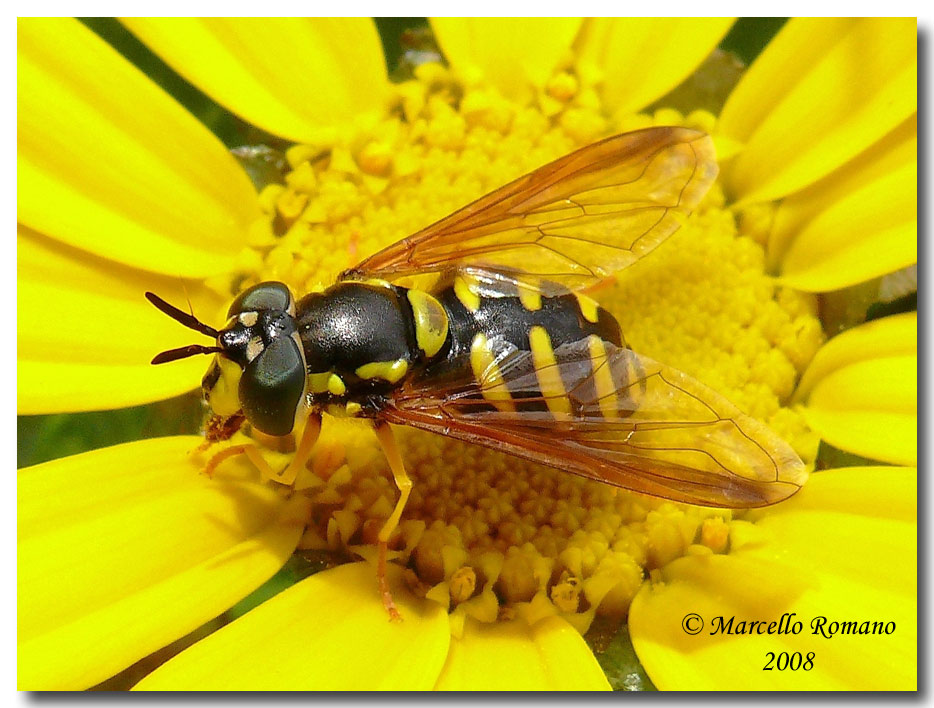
column 253, row 455
column 286, row 476
column 303, row 451
column 388, row 442
column 383, row 584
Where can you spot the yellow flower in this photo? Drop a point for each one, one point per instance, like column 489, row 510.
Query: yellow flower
column 861, row 390
column 841, row 551
column 126, row 549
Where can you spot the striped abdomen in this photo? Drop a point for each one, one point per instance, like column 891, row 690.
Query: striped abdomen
column 486, row 334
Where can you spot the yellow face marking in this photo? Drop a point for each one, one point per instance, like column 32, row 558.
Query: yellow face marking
column 465, row 293
column 391, row 371
column 431, row 322
column 224, row 397
column 352, row 408
column 603, row 378
column 588, row 307
column 488, row 375
column 248, row 319
column 529, row 295
column 549, row 377
column 254, row 348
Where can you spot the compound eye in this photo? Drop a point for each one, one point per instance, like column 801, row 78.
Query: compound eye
column 270, row 295
column 272, row 387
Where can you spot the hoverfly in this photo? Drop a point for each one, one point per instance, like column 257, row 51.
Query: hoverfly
column 503, row 348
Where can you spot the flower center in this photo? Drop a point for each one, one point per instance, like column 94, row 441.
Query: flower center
column 485, row 534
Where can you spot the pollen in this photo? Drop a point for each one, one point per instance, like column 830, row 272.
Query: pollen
column 487, row 535
column 566, row 593
column 562, row 86
column 463, row 584
column 715, row 534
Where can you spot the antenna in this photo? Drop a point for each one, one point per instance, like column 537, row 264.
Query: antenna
column 190, row 321
column 183, row 353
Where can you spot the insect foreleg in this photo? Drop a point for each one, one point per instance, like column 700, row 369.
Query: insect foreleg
column 388, row 442
column 305, row 445
column 253, row 453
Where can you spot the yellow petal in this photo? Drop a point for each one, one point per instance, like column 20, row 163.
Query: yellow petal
column 122, row 550
column 329, row 632
column 804, row 41
column 870, row 408
column 843, row 549
column 515, row 54
column 511, row 656
column 821, row 92
column 871, row 232
column 86, row 334
column 290, row 76
column 643, row 58
column 892, row 153
column 860, row 392
column 890, row 336
column 109, row 163
column 858, row 223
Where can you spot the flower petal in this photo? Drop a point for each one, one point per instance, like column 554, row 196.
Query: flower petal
column 84, row 324
column 870, row 408
column 858, row 223
column 329, row 632
column 122, row 550
column 843, row 549
column 890, row 336
column 860, row 392
column 513, row 53
column 821, row 93
column 290, row 76
column 643, row 58
column 511, row 656
column 109, row 163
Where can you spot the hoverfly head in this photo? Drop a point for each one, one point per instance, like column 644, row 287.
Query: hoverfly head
column 260, row 365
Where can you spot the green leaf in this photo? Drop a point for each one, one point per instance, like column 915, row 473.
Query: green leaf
column 617, row 657
column 47, row 437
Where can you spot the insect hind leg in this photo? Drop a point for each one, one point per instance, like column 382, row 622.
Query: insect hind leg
column 388, row 442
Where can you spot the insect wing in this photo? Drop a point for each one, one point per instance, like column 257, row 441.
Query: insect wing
column 572, row 222
column 625, row 420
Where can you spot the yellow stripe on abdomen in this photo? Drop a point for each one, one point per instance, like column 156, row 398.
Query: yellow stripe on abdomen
column 548, row 373
column 487, row 373
column 529, row 294
column 588, row 308
column 464, row 289
column 603, row 378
